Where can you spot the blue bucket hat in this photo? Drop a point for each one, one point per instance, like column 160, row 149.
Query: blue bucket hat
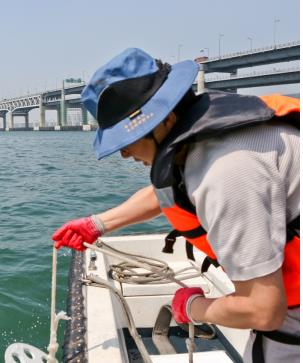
column 131, row 95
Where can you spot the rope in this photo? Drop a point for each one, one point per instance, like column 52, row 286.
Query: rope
column 141, row 262
column 160, row 272
column 53, row 345
column 97, row 281
column 190, row 342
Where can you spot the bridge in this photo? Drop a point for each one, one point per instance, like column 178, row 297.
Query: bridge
column 229, row 64
column 56, row 99
column 69, row 95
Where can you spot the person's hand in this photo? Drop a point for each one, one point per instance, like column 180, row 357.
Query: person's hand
column 73, row 233
column 181, row 303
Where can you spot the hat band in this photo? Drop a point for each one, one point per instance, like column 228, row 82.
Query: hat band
column 122, row 98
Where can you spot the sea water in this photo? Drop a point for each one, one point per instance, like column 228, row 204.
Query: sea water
column 46, row 179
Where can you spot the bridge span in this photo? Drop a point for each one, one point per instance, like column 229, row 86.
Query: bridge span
column 230, row 63
column 228, row 66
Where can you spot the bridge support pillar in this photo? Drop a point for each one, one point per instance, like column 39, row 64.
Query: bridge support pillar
column 63, row 106
column 10, row 119
column 200, row 80
column 26, row 120
column 4, row 120
column 59, row 123
column 42, row 113
column 233, row 74
column 84, row 115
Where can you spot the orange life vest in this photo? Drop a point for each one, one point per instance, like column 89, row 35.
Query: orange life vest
column 187, row 223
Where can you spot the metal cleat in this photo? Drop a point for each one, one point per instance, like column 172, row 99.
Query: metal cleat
column 92, row 262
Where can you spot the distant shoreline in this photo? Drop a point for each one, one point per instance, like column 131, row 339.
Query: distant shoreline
column 52, row 128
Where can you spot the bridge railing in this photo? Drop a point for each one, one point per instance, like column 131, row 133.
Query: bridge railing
column 251, row 74
column 252, row 51
column 39, row 93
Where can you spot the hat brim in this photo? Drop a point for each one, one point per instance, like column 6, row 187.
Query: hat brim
column 152, row 113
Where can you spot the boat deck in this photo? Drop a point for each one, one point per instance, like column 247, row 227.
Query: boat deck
column 216, row 350
column 108, row 339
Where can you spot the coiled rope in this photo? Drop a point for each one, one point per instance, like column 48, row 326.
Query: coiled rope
column 160, row 272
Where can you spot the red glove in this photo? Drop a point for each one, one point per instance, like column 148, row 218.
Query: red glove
column 73, row 233
column 181, row 303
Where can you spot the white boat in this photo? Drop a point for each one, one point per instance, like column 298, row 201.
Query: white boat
column 99, row 328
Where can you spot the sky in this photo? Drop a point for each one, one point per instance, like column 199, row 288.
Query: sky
column 44, row 42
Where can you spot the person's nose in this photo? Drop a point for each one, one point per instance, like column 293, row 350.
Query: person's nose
column 124, row 153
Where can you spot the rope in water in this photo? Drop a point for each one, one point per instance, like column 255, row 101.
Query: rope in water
column 55, row 318
column 141, row 262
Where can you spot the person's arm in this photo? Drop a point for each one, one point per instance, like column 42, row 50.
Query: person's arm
column 259, row 304
column 143, row 205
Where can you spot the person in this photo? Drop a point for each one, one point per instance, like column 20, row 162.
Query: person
column 225, row 173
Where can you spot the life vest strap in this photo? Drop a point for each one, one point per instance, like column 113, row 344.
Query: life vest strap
column 280, row 337
column 293, row 229
column 170, row 240
column 194, row 233
column 189, row 251
column 277, row 336
column 207, row 262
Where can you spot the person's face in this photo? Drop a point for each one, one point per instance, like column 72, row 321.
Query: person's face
column 142, row 150
column 145, row 149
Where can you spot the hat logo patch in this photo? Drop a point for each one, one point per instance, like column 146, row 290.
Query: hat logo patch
column 137, row 121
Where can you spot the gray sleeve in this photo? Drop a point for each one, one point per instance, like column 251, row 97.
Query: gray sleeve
column 241, row 202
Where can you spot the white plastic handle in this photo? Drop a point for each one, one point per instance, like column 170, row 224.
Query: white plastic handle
column 24, row 353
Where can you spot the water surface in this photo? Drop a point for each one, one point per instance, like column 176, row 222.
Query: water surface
column 47, row 178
